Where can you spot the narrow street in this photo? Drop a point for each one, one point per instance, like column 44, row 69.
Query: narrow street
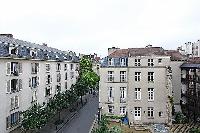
column 84, row 118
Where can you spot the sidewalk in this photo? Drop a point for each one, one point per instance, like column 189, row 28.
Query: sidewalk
column 66, row 115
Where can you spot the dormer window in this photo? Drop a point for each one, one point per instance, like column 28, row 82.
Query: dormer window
column 33, row 53
column 123, row 62
column 111, row 62
column 13, row 50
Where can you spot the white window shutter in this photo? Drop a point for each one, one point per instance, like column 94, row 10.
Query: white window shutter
column 12, row 103
column 20, row 84
column 38, row 80
column 8, row 86
column 29, row 82
column 20, row 67
column 8, row 64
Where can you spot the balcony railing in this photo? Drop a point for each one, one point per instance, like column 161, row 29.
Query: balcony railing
column 110, row 99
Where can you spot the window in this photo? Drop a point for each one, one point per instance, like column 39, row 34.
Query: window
column 58, row 67
column 160, row 114
column 150, row 112
column 65, row 67
column 58, row 77
column 48, row 67
column 33, row 53
column 159, row 60
column 137, row 93
column 72, row 75
column 34, row 68
column 137, row 111
column 110, row 62
column 49, row 79
column 150, row 76
column 123, row 62
column 110, row 92
column 123, row 92
column 48, row 91
column 122, row 110
column 110, row 109
column 34, row 96
column 71, row 66
column 65, row 85
column 137, row 76
column 14, row 102
column 137, row 62
column 66, row 76
column 122, row 76
column 35, row 82
column 13, row 119
column 14, row 85
column 150, row 62
column 13, row 50
column 14, row 68
column 110, row 75
column 150, row 94
column 58, row 88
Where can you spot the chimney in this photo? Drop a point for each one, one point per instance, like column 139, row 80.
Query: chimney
column 148, row 46
column 44, row 44
column 111, row 50
column 7, row 35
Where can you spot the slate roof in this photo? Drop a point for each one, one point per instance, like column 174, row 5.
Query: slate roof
column 175, row 55
column 24, row 50
column 190, row 65
column 130, row 52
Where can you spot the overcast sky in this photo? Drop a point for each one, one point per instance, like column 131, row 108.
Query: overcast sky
column 88, row 26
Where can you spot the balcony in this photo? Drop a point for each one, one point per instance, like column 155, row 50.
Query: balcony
column 122, row 100
column 110, row 99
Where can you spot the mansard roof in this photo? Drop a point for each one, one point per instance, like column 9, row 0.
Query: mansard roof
column 24, row 48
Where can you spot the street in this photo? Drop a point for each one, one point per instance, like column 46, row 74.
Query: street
column 82, row 122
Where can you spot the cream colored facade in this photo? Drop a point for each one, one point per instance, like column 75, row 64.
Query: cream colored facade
column 27, row 92
column 145, row 101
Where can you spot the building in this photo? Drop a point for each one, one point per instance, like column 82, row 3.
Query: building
column 30, row 73
column 191, row 49
column 190, row 78
column 137, row 82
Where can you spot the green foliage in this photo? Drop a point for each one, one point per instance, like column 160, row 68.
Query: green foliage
column 103, row 127
column 194, row 130
column 180, row 118
column 37, row 116
column 114, row 117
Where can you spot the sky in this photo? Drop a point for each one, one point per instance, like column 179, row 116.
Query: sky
column 92, row 26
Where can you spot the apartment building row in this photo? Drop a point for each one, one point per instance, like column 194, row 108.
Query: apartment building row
column 140, row 83
column 31, row 73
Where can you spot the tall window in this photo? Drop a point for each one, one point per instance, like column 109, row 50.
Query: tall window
column 13, row 119
column 34, row 68
column 49, row 79
column 14, row 102
column 123, row 62
column 14, row 85
column 110, row 62
column 66, row 76
column 71, row 66
column 137, row 111
column 110, row 92
column 150, row 94
column 65, row 67
column 110, row 75
column 150, row 112
column 34, row 96
column 150, row 62
column 122, row 76
column 35, row 81
column 123, row 92
column 151, row 76
column 122, row 110
column 137, row 62
column 58, row 77
column 14, row 68
column 72, row 75
column 58, row 67
column 48, row 91
column 48, row 67
column 110, row 109
column 137, row 93
column 137, row 76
